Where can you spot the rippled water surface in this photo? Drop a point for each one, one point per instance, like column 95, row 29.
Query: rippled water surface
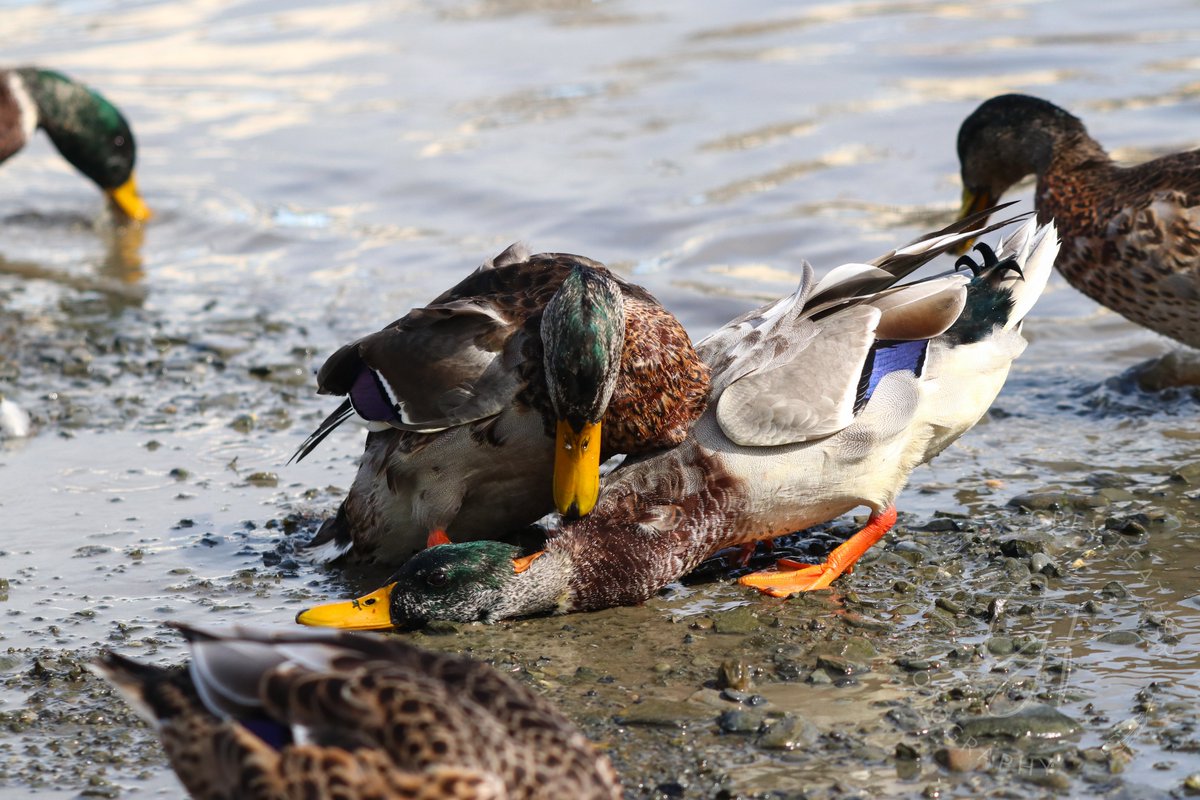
column 319, row 168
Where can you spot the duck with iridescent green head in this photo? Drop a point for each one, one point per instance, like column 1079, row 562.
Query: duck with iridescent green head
column 86, row 128
column 496, row 403
column 821, row 402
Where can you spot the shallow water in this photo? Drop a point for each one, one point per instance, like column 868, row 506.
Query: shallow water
column 317, row 169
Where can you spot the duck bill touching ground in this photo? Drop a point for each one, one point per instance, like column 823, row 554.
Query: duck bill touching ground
column 497, row 402
column 1130, row 235
column 259, row 716
column 86, row 129
column 822, row 401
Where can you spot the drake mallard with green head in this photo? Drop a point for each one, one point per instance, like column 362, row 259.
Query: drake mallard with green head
column 821, row 402
column 86, row 128
column 497, row 402
column 291, row 717
column 1130, row 235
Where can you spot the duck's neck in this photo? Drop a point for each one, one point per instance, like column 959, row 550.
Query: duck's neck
column 655, row 521
column 544, row 587
column 1071, row 150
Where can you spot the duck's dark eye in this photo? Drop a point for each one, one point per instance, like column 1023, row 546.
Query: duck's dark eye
column 437, row 578
column 119, row 141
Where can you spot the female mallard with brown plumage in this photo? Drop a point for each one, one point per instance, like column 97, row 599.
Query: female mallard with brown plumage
column 88, row 130
column 292, row 717
column 821, row 402
column 1130, row 235
column 498, row 401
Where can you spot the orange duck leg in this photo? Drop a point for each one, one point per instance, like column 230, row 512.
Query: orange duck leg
column 788, row 577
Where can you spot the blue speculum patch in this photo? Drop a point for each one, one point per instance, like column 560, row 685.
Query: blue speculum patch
column 889, row 357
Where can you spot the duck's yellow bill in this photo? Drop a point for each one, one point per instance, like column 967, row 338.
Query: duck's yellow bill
column 972, row 203
column 367, row 613
column 129, row 201
column 576, row 468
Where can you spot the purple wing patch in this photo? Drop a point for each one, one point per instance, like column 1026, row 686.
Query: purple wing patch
column 370, row 398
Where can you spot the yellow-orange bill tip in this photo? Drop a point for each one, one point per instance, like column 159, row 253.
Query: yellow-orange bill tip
column 576, row 468
column 367, row 613
column 127, row 199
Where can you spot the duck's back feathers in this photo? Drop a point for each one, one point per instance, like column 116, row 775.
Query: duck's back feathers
column 307, row 715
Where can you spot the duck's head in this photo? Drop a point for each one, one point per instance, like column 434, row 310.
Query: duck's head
column 583, row 335
column 90, row 133
column 1005, row 139
column 469, row 582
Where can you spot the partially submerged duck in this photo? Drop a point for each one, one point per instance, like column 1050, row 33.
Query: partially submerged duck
column 292, row 717
column 86, row 128
column 497, row 402
column 821, row 402
column 1130, row 235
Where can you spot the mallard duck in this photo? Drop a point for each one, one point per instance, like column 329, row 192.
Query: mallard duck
column 88, row 130
column 1131, row 235
column 821, row 402
column 282, row 717
column 497, row 402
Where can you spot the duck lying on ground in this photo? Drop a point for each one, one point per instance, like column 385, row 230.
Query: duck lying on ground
column 498, row 401
column 291, row 717
column 822, row 401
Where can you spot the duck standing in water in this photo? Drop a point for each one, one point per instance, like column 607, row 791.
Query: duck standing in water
column 822, row 401
column 88, row 130
column 1130, row 235
column 293, row 717
column 497, row 402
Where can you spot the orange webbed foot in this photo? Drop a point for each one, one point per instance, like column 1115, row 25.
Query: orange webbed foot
column 789, row 577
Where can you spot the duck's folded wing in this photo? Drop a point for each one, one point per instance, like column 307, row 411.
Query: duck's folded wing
column 440, row 366
column 815, row 376
column 808, row 393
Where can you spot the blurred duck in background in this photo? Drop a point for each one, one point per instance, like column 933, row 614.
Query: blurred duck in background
column 86, row 128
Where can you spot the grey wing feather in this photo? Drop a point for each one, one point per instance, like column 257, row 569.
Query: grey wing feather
column 448, row 365
column 808, row 395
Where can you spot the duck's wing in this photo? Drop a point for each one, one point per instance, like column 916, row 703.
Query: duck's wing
column 802, row 368
column 450, row 363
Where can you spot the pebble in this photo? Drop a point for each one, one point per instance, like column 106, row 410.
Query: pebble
column 962, row 759
column 736, row 620
column 662, row 713
column 1034, row 720
column 14, row 422
column 741, row 721
column 1058, row 501
column 788, row 733
column 1121, row 637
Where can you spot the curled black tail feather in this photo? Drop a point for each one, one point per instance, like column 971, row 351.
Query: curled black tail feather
column 340, row 415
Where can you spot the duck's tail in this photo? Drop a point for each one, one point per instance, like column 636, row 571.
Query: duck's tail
column 1007, row 283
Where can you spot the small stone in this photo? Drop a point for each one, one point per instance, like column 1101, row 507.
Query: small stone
column 961, row 759
column 1191, row 784
column 788, row 733
column 736, row 620
column 734, row 673
column 1121, row 637
column 1000, row 646
column 1036, row 721
column 741, row 721
column 1020, row 548
column 264, row 479
column 1042, row 563
column 1114, row 590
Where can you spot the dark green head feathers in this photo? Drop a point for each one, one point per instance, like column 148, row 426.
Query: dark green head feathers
column 90, row 133
column 454, row 581
column 583, row 333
